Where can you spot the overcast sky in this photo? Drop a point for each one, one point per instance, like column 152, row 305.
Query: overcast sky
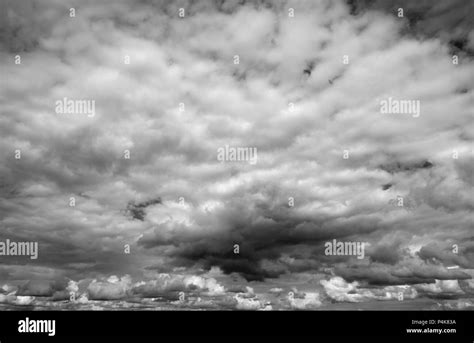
column 301, row 83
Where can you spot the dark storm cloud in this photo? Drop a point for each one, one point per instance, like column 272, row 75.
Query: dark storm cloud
column 42, row 288
column 388, row 254
column 450, row 20
column 444, row 254
column 137, row 211
column 382, row 275
column 260, row 232
column 396, row 167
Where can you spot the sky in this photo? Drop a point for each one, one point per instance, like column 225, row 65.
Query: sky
column 132, row 206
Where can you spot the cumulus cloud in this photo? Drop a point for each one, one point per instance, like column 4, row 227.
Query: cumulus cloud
column 250, row 304
column 340, row 290
column 445, row 288
column 309, row 300
column 111, row 289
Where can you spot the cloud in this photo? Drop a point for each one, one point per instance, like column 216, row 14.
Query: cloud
column 309, row 300
column 23, row 300
column 245, row 303
column 40, row 287
column 340, row 290
column 441, row 287
column 137, row 211
column 276, row 290
column 166, row 286
column 445, row 254
column 409, row 272
column 112, row 289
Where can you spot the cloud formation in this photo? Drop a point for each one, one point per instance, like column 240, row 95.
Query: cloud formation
column 119, row 199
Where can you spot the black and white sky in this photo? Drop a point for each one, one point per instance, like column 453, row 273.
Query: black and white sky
column 132, row 207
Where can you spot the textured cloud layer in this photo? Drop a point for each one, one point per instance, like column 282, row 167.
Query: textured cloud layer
column 137, row 188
